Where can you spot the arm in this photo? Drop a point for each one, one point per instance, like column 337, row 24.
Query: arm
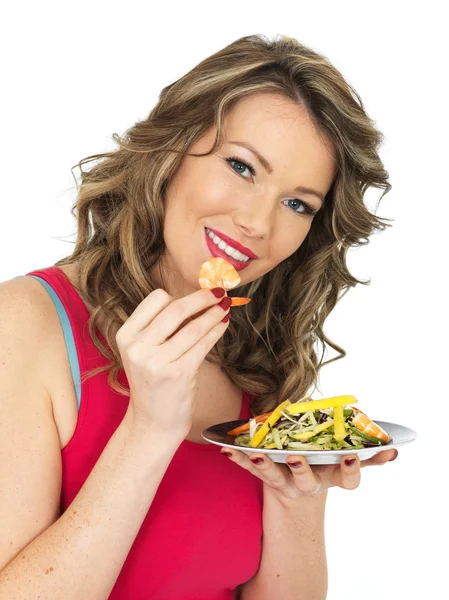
column 78, row 554
column 293, row 562
column 96, row 532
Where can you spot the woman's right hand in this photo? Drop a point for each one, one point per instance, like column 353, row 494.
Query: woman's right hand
column 162, row 359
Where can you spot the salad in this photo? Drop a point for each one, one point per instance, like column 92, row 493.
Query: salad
column 327, row 424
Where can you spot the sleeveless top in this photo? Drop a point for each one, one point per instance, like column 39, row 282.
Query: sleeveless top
column 202, row 535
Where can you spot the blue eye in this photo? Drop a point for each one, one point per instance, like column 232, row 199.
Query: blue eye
column 234, row 159
column 308, row 208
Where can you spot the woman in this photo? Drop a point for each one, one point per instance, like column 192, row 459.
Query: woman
column 114, row 361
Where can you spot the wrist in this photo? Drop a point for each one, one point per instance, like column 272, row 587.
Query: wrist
column 313, row 502
column 141, row 428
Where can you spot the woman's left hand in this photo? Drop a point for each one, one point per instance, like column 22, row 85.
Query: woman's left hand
column 297, row 478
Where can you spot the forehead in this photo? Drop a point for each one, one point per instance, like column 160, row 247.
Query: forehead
column 283, row 132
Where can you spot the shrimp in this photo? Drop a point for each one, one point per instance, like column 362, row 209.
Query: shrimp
column 217, row 272
column 364, row 424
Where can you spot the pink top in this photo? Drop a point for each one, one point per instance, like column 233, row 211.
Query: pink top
column 202, row 534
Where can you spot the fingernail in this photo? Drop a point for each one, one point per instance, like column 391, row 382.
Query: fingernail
column 218, row 292
column 396, row 454
column 226, row 318
column 225, row 303
column 350, row 461
column 256, row 461
column 295, row 465
column 226, row 453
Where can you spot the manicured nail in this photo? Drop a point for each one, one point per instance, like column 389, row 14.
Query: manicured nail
column 396, row 454
column 295, row 465
column 225, row 303
column 256, row 461
column 350, row 461
column 218, row 292
column 226, row 318
column 226, row 453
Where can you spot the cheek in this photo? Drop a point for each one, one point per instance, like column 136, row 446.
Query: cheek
column 197, row 188
column 287, row 243
column 213, row 197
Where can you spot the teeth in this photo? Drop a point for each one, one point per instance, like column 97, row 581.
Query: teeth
column 228, row 249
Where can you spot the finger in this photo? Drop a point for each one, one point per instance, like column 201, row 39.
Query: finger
column 142, row 316
column 160, row 303
column 177, row 312
column 272, row 473
column 199, row 333
column 350, row 472
column 195, row 316
column 261, row 466
column 200, row 348
column 381, row 458
column 305, row 479
column 241, row 459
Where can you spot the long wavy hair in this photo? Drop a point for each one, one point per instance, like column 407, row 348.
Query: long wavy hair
column 274, row 346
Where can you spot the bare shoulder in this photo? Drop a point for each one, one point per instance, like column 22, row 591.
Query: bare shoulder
column 26, row 328
column 30, row 321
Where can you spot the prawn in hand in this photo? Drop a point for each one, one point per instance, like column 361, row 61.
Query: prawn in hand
column 217, row 272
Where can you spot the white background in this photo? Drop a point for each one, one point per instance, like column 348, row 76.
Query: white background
column 74, row 73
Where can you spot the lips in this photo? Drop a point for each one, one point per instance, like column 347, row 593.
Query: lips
column 217, row 252
column 234, row 244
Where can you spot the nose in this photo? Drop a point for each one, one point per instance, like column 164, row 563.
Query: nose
column 257, row 224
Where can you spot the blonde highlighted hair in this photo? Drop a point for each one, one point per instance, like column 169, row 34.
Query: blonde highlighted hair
column 270, row 348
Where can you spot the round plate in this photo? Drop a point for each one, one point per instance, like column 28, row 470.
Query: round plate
column 217, row 434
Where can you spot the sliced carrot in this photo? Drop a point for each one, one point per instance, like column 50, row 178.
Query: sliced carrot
column 240, row 301
column 245, row 426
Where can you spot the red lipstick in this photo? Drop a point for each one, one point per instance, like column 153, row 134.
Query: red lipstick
column 216, row 251
column 234, row 244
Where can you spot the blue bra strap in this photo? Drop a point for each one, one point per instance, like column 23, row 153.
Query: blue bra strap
column 68, row 336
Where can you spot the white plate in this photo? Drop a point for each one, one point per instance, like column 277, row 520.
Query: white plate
column 217, row 434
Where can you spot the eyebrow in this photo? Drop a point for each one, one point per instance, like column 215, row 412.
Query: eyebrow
column 269, row 169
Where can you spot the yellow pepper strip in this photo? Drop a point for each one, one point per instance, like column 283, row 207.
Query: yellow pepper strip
column 339, row 424
column 303, row 407
column 272, row 419
column 300, row 437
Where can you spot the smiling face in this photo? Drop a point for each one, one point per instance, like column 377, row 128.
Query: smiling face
column 257, row 206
